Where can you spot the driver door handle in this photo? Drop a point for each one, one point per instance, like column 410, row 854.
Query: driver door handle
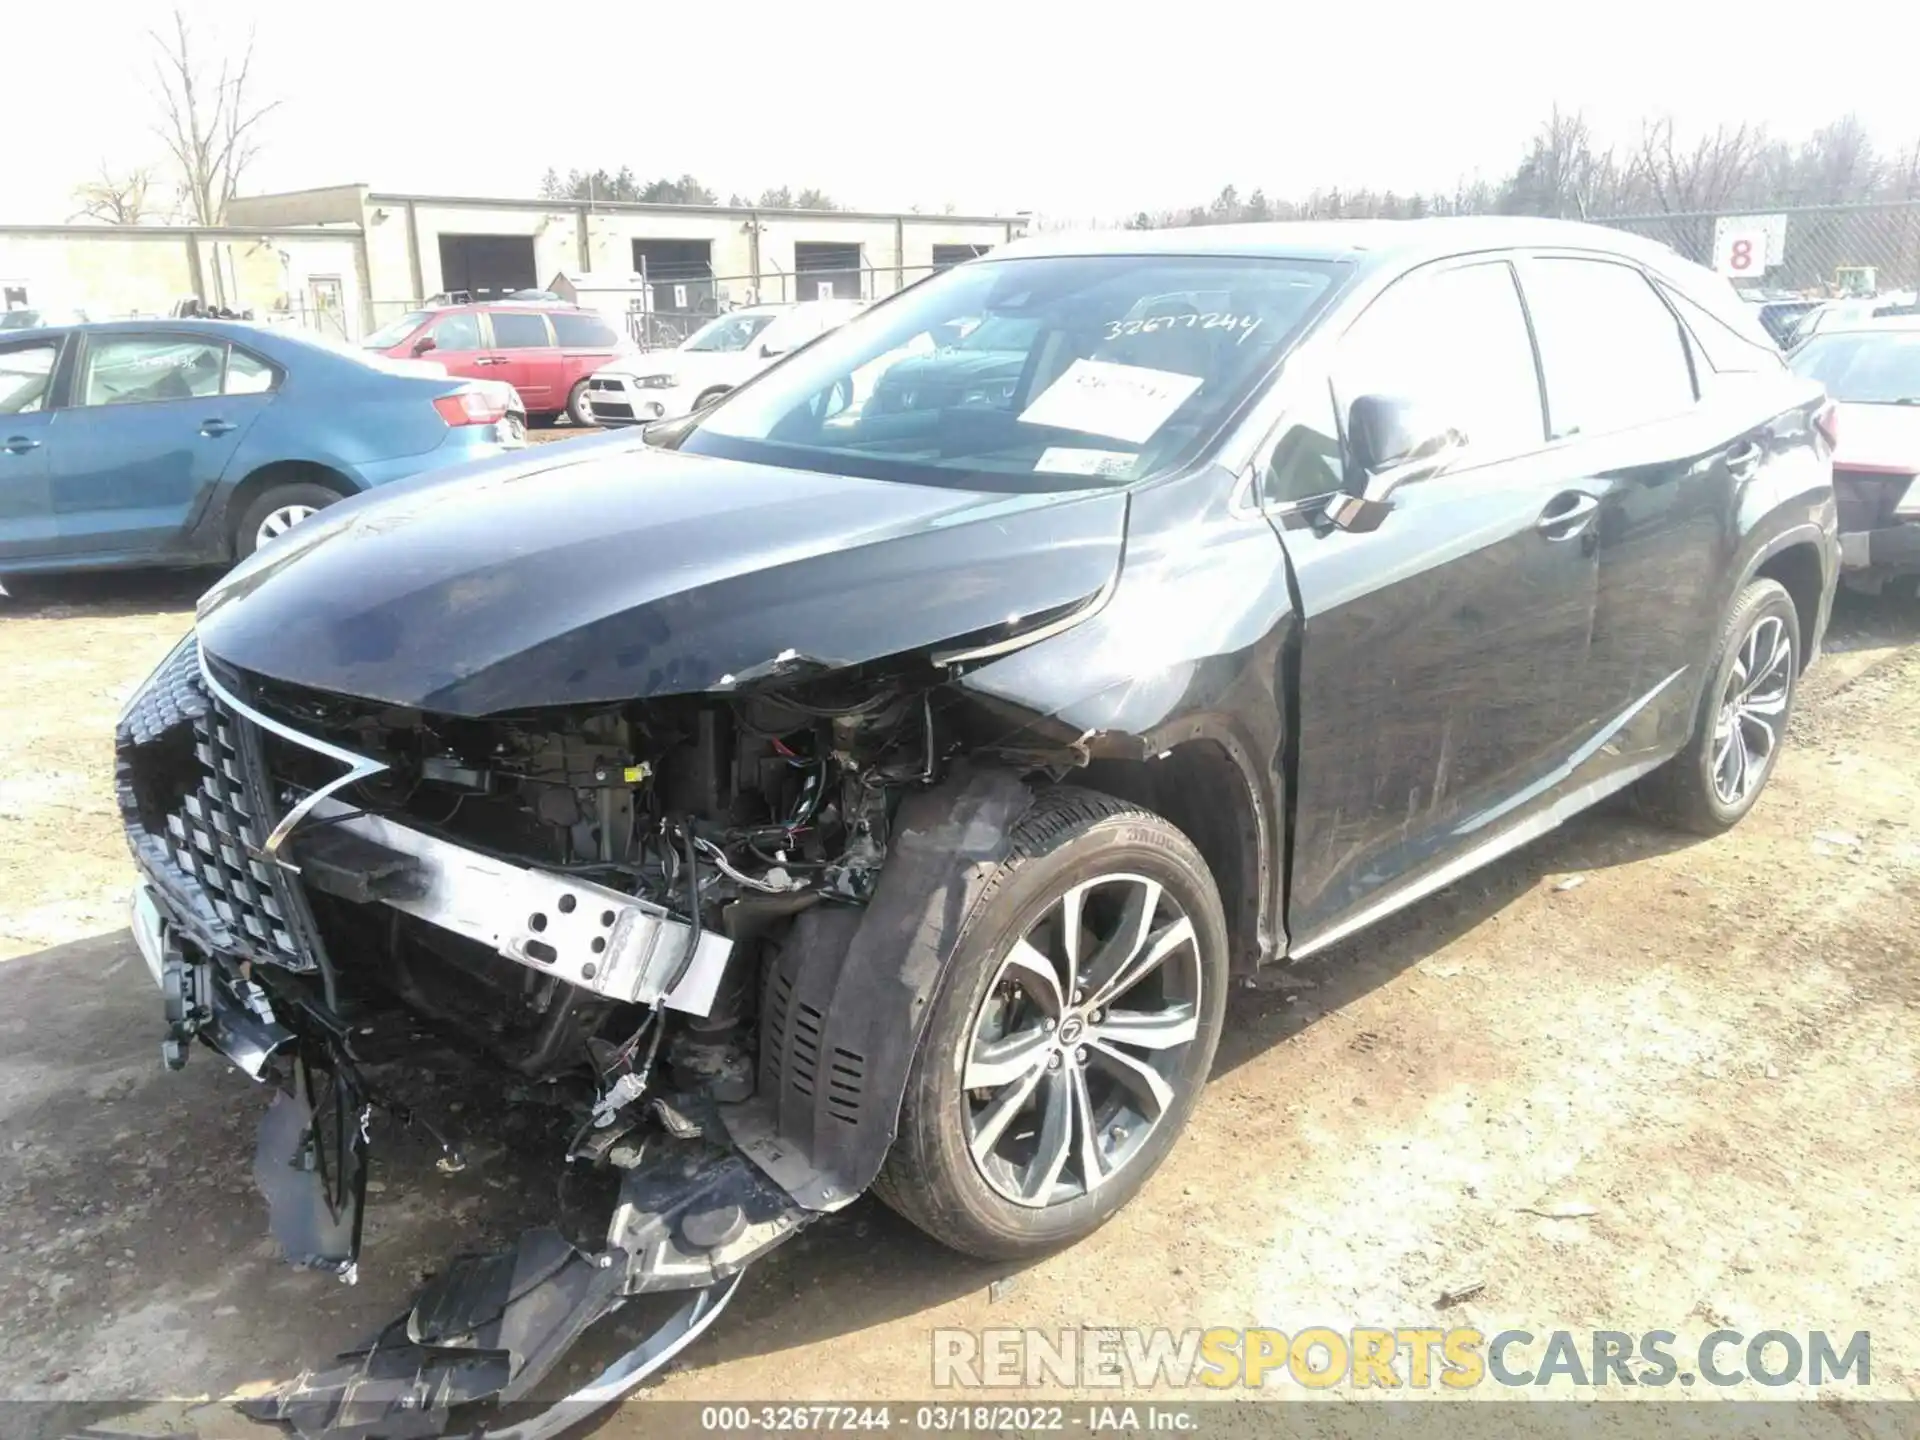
column 1568, row 514
column 213, row 429
column 491, row 360
column 21, row 444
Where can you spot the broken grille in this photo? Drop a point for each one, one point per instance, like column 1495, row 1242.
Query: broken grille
column 215, row 836
column 199, row 827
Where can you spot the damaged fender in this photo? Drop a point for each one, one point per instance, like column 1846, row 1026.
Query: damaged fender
column 851, row 991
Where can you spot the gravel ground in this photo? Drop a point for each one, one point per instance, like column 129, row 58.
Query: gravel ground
column 1697, row 1058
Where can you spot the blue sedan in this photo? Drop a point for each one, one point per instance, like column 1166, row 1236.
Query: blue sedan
column 190, row 442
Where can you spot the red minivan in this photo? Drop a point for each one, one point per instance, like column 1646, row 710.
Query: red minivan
column 546, row 352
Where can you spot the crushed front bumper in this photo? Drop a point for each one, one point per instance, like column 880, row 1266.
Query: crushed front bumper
column 221, row 920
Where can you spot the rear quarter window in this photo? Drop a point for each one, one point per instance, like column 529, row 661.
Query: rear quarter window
column 1729, row 348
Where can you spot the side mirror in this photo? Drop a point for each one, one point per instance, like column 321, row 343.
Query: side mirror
column 770, row 351
column 1391, row 442
column 424, row 344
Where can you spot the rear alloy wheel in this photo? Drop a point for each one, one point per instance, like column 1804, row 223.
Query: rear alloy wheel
column 1743, row 717
column 1071, row 1037
column 276, row 511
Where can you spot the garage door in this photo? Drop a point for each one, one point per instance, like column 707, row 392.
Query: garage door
column 826, row 271
column 680, row 273
column 947, row 256
column 487, row 266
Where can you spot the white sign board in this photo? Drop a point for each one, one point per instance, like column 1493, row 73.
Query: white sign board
column 679, row 297
column 823, row 290
column 1744, row 246
column 1099, row 397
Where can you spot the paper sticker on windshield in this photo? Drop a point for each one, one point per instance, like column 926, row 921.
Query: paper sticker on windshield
column 1065, row 460
column 1097, row 397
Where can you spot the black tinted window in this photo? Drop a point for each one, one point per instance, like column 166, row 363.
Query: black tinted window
column 582, row 332
column 1455, row 341
column 1610, row 348
column 519, row 331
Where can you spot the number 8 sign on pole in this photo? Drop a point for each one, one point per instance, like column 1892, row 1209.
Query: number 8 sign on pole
column 1740, row 252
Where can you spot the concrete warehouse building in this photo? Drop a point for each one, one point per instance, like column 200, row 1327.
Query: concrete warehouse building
column 347, row 259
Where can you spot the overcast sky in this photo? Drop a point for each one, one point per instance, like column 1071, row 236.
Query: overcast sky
column 1074, row 110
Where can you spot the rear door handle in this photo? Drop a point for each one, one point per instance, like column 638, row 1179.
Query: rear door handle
column 1567, row 515
column 215, row 428
column 491, row 360
column 21, row 444
column 1744, row 460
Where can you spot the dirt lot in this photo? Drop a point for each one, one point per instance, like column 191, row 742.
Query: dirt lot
column 1701, row 1056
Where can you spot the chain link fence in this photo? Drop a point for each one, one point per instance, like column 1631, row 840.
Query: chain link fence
column 1814, row 250
column 668, row 311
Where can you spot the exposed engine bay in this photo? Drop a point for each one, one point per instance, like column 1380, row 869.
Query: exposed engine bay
column 639, row 912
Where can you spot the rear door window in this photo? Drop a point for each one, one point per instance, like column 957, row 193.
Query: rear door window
column 1455, row 341
column 519, row 330
column 580, row 332
column 141, row 369
column 1611, row 350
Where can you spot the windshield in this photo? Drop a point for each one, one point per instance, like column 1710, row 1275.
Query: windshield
column 728, row 332
column 1036, row 374
column 1869, row 368
column 394, row 331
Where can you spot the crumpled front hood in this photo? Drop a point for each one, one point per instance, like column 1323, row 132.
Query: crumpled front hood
column 621, row 571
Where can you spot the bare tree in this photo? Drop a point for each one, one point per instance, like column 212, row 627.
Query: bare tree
column 1707, row 175
column 116, row 199
column 1837, row 164
column 1562, row 174
column 211, row 120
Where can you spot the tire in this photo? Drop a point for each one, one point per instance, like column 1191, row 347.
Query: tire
column 247, row 536
column 579, row 407
column 1069, row 839
column 1685, row 793
column 707, row 397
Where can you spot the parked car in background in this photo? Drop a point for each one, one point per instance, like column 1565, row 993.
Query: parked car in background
column 546, row 352
column 1872, row 369
column 901, row 793
column 1845, row 314
column 188, row 442
column 1780, row 315
column 721, row 355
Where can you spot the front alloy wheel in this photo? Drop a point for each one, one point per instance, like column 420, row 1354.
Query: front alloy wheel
column 1081, row 1040
column 1070, row 1035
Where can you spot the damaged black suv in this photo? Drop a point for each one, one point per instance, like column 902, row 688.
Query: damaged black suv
column 824, row 793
